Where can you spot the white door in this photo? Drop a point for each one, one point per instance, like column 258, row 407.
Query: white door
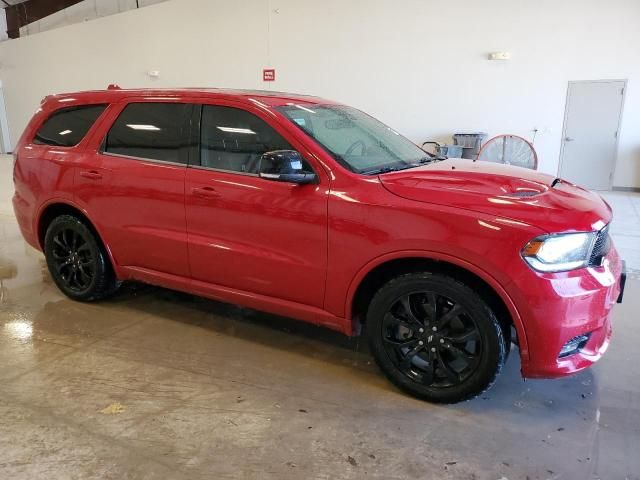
column 590, row 138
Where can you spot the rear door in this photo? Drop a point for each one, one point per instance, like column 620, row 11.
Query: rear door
column 133, row 187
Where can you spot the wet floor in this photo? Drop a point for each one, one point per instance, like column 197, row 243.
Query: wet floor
column 159, row 384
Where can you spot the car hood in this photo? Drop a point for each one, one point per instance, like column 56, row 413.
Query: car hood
column 505, row 191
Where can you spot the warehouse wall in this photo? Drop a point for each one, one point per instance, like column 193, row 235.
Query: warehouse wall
column 419, row 65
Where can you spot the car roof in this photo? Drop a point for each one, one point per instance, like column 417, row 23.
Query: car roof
column 115, row 93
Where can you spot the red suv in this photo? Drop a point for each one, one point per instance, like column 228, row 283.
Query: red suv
column 310, row 209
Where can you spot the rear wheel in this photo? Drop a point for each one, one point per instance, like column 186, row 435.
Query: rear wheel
column 435, row 338
column 77, row 261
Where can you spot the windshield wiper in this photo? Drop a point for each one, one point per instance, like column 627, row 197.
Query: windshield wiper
column 378, row 171
column 424, row 161
column 435, row 158
column 419, row 163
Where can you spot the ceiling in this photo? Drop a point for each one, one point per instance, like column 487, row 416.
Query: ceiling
column 23, row 12
column 8, row 3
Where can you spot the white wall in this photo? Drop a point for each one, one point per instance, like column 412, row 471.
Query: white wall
column 419, row 65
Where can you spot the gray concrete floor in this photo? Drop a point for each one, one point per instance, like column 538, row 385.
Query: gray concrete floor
column 158, row 384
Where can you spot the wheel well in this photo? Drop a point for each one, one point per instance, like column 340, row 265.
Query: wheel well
column 380, row 275
column 57, row 209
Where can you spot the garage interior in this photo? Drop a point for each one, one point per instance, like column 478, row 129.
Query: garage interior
column 154, row 383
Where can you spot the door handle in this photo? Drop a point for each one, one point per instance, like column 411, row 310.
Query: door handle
column 91, row 175
column 569, row 139
column 205, row 192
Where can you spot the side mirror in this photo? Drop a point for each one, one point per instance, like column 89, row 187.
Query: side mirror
column 286, row 166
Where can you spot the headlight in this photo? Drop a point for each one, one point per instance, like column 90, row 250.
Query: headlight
column 557, row 253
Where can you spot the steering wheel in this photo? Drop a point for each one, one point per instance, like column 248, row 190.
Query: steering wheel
column 354, row 145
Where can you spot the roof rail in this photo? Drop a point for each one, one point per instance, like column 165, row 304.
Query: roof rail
column 113, row 86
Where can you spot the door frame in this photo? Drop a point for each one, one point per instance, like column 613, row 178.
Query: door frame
column 625, row 81
column 5, row 134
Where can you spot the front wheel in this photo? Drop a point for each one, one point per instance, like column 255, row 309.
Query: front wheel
column 435, row 338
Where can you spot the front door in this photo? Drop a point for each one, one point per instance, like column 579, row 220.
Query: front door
column 249, row 233
column 592, row 122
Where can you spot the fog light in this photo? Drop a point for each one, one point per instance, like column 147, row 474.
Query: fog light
column 574, row 345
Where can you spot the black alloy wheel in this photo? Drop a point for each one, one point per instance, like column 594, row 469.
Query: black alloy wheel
column 435, row 337
column 73, row 260
column 431, row 339
column 77, row 261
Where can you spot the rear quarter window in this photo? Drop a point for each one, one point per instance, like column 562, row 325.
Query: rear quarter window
column 68, row 126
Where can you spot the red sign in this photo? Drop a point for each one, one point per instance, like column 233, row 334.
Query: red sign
column 269, row 75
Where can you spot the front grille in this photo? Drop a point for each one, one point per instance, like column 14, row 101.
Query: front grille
column 600, row 247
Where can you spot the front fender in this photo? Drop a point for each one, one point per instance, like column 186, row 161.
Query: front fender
column 458, row 262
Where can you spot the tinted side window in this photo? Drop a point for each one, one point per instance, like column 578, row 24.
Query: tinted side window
column 234, row 139
column 68, row 126
column 150, row 130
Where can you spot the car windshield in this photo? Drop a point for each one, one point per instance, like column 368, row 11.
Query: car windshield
column 357, row 140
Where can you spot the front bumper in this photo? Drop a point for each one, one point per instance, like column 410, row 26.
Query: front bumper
column 557, row 307
column 623, row 281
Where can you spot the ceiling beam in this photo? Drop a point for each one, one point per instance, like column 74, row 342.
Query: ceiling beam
column 31, row 11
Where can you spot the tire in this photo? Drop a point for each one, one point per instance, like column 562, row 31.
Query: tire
column 447, row 358
column 77, row 260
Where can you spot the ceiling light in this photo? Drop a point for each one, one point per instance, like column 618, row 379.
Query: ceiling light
column 236, row 130
column 137, row 126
